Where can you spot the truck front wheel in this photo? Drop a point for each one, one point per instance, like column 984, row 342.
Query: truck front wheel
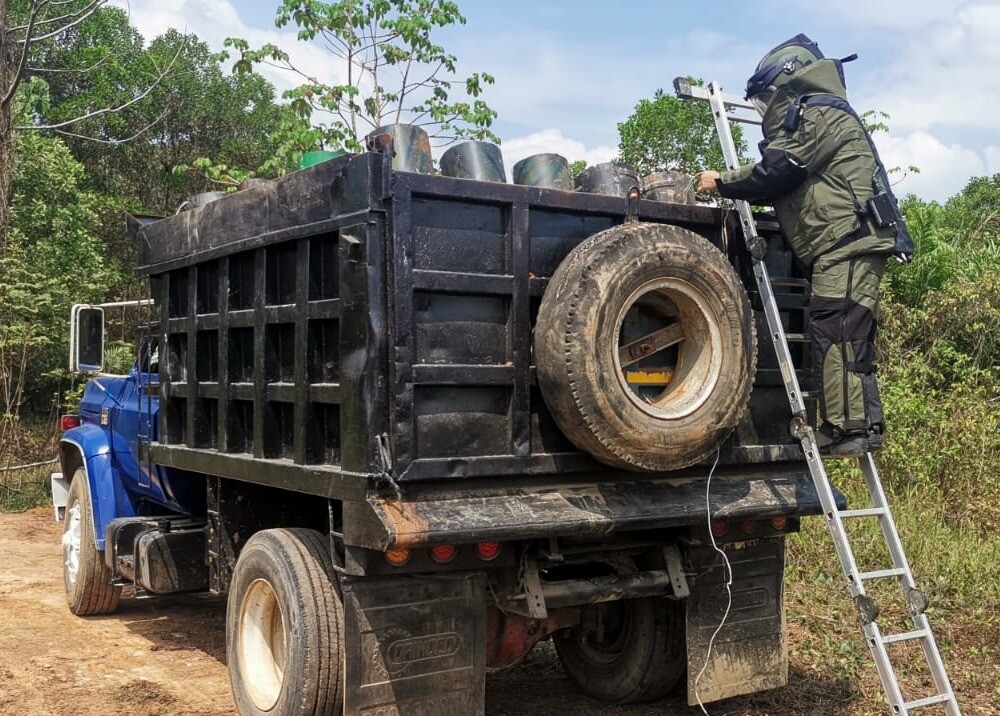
column 284, row 624
column 87, row 579
column 629, row 651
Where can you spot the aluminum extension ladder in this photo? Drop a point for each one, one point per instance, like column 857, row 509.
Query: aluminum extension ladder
column 725, row 109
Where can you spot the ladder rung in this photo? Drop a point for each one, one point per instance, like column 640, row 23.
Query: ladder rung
column 797, row 338
column 743, row 119
column 908, row 636
column 796, row 282
column 878, row 574
column 869, row 512
column 929, row 701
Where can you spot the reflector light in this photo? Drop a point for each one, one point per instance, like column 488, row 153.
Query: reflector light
column 488, row 551
column 750, row 526
column 719, row 528
column 779, row 523
column 443, row 553
column 397, row 557
column 68, row 422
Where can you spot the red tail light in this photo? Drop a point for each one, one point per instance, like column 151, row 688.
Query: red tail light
column 443, row 553
column 488, row 551
column 779, row 523
column 719, row 528
column 68, row 422
column 750, row 526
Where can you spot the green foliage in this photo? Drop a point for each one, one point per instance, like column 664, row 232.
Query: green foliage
column 670, row 133
column 53, row 259
column 875, row 121
column 390, row 71
column 196, row 111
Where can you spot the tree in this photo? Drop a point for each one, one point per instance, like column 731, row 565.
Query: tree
column 53, row 258
column 130, row 155
column 670, row 133
column 188, row 114
column 390, row 71
column 25, row 26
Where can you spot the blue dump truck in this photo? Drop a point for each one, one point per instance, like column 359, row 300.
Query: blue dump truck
column 414, row 424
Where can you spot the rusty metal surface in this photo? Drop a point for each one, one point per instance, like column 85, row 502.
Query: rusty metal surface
column 482, row 512
column 409, row 144
column 612, row 178
column 670, row 186
column 509, row 637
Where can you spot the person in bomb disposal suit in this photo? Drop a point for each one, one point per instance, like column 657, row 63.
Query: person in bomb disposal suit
column 821, row 173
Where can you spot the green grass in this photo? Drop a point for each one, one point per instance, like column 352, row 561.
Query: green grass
column 953, row 562
column 23, row 489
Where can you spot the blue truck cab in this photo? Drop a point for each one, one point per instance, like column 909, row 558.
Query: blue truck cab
column 118, row 414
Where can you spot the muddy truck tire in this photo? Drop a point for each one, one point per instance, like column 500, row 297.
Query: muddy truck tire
column 87, row 578
column 645, row 347
column 636, row 654
column 284, row 627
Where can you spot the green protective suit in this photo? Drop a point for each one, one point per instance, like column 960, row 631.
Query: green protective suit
column 818, row 177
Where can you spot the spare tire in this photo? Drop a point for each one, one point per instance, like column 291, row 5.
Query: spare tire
column 645, row 347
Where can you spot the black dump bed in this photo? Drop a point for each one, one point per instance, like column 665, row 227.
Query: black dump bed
column 348, row 330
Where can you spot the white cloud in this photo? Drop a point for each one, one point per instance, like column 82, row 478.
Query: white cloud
column 553, row 141
column 944, row 169
column 942, row 74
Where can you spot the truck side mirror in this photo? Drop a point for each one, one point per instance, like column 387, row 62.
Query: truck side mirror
column 86, row 339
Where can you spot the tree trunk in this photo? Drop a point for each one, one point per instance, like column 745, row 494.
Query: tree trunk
column 8, row 67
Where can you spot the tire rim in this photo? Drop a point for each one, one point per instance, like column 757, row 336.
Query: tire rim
column 72, row 538
column 667, row 348
column 263, row 650
column 615, row 640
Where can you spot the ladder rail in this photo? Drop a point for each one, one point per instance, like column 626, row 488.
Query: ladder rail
column 928, row 643
column 725, row 109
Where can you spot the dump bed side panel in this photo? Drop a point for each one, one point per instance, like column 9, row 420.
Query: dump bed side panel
column 347, row 322
column 273, row 329
column 469, row 264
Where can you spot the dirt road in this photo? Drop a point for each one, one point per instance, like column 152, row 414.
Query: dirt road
column 167, row 656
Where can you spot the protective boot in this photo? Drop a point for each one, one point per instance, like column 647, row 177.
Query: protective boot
column 834, row 442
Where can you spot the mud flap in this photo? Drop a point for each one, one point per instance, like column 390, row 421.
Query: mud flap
column 750, row 653
column 417, row 646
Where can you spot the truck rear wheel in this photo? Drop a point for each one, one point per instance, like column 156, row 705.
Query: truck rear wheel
column 645, row 347
column 634, row 651
column 87, row 579
column 284, row 624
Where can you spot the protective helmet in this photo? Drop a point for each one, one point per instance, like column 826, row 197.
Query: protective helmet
column 779, row 64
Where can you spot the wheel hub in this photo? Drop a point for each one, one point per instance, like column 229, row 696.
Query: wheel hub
column 263, row 650
column 71, row 541
column 668, row 354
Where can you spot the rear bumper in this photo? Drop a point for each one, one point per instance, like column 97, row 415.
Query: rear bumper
column 476, row 513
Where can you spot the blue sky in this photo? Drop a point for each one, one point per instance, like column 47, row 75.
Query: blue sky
column 568, row 72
